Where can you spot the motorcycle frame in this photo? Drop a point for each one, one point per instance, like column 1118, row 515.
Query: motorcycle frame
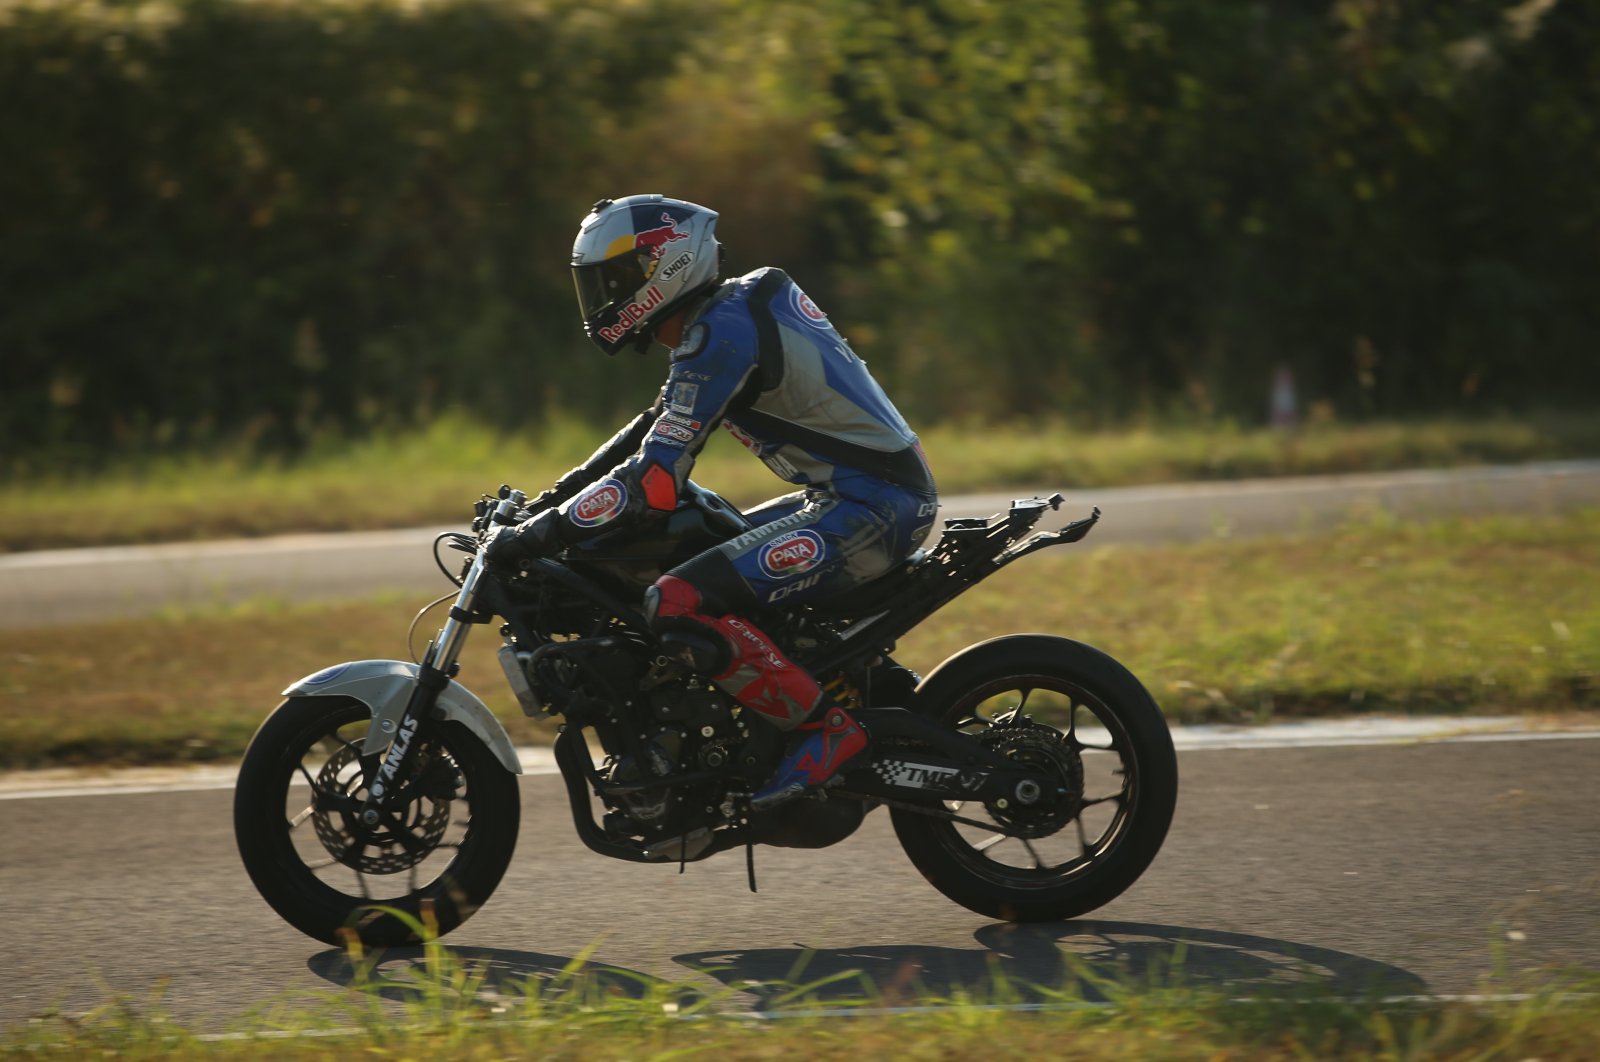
column 969, row 552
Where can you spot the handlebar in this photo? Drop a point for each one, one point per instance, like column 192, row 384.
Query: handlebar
column 506, row 512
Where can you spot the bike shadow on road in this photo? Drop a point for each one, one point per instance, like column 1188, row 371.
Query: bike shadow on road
column 1046, row 963
column 495, row 975
column 1051, row 962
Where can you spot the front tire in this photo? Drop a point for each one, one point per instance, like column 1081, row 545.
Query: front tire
column 1097, row 731
column 437, row 860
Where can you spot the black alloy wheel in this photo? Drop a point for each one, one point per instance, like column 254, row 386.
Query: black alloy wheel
column 436, row 858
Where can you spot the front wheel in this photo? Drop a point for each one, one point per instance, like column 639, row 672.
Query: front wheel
column 437, row 857
column 1081, row 719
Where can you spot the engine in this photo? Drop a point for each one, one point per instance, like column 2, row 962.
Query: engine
column 687, row 739
column 677, row 750
column 674, row 745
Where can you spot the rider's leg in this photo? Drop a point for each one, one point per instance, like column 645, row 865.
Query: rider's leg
column 701, row 610
column 808, row 547
column 746, row 663
column 824, row 737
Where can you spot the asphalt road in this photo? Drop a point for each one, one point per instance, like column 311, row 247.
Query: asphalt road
column 1401, row 869
column 65, row 586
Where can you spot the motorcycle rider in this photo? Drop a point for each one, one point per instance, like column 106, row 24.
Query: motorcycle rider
column 756, row 356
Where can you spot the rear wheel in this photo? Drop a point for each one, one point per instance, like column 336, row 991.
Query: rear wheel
column 438, row 855
column 1082, row 720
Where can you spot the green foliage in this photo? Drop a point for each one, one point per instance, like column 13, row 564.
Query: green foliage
column 263, row 219
column 271, row 220
column 1147, row 205
column 952, row 185
column 463, row 1003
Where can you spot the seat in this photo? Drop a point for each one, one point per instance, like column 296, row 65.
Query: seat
column 873, row 596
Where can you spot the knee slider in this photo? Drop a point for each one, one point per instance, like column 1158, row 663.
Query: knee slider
column 672, row 608
column 696, row 646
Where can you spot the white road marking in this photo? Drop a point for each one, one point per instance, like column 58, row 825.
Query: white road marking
column 1382, row 730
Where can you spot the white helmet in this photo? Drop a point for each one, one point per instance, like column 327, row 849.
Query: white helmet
column 638, row 260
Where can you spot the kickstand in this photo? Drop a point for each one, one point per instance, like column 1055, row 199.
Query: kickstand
column 750, row 863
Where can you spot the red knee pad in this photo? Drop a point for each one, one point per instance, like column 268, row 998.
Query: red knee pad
column 675, row 597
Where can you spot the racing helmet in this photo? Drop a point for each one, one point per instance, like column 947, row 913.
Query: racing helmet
column 637, row 260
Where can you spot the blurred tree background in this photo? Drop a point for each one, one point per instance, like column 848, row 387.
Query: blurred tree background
column 272, row 221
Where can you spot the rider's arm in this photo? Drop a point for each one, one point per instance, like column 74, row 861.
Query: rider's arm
column 710, row 370
column 613, row 450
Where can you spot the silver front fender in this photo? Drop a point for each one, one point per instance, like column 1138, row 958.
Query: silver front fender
column 385, row 687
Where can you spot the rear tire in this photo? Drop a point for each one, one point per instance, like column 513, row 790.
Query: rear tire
column 314, row 864
column 1106, row 839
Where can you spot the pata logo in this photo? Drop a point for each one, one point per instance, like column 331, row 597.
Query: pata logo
column 600, row 504
column 794, row 553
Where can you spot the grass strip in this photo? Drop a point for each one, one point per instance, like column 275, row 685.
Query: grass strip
column 432, row 475
column 429, row 1002
column 1489, row 614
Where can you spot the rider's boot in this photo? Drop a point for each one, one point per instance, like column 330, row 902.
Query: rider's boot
column 816, row 752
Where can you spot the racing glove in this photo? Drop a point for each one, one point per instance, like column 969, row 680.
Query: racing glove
column 538, row 536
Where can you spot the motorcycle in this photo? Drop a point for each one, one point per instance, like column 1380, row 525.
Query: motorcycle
column 1028, row 777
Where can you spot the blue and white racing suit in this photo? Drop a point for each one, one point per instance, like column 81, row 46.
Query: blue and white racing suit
column 759, row 359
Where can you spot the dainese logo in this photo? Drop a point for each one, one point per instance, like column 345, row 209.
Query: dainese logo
column 796, row 552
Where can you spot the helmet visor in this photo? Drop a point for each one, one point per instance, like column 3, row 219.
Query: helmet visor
column 604, row 283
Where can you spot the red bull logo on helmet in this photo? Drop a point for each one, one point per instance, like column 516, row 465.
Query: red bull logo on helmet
column 794, row 553
column 653, row 240
column 656, row 239
column 632, row 314
column 599, row 504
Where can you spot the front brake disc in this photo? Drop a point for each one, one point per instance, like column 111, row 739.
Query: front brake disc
column 378, row 850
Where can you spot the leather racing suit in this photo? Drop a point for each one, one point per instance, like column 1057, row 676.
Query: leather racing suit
column 759, row 359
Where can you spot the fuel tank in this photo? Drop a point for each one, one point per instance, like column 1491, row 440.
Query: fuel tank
column 636, row 556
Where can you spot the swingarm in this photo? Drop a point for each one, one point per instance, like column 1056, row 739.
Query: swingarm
column 915, row 758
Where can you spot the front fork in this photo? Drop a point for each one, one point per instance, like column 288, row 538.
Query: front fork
column 439, row 665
